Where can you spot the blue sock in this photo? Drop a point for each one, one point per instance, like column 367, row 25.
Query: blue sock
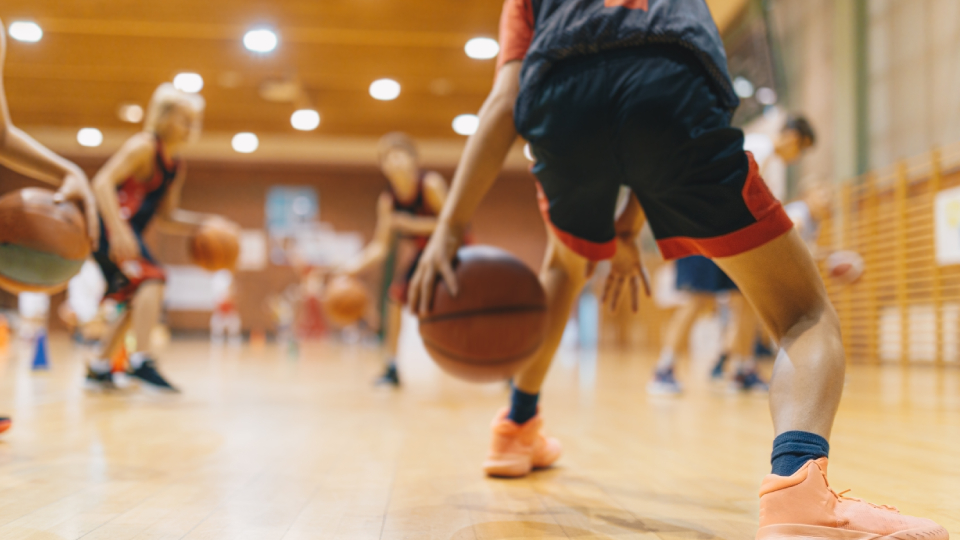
column 791, row 450
column 523, row 406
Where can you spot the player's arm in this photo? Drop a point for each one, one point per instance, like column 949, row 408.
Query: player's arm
column 134, row 159
column 479, row 166
column 376, row 251
column 175, row 220
column 435, row 193
column 20, row 152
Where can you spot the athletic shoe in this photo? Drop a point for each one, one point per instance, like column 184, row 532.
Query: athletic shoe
column 5, row 423
column 147, row 374
column 99, row 382
column 664, row 383
column 749, row 381
column 390, row 376
column 803, row 506
column 517, row 449
column 717, row 372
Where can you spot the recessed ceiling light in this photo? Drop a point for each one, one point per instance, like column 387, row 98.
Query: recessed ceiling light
column 130, row 112
column 466, row 124
column 743, row 87
column 482, row 48
column 384, row 89
column 766, row 96
column 260, row 40
column 90, row 137
column 245, row 143
column 188, row 82
column 305, row 120
column 26, row 31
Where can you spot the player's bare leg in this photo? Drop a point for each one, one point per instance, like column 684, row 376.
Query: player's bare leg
column 517, row 442
column 393, row 320
column 675, row 336
column 563, row 276
column 808, row 374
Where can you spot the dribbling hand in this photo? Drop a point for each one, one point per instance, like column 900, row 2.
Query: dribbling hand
column 437, row 260
column 76, row 188
column 626, row 266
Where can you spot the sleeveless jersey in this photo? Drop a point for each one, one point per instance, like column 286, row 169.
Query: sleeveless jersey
column 417, row 206
column 565, row 29
column 138, row 200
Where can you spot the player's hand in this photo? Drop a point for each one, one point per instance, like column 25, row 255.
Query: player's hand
column 123, row 244
column 437, row 260
column 76, row 187
column 626, row 267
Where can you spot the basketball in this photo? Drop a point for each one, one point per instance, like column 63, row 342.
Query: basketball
column 494, row 324
column 215, row 246
column 43, row 243
column 345, row 300
column 844, row 267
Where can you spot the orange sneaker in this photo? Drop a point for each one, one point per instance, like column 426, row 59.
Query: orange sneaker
column 517, row 449
column 803, row 506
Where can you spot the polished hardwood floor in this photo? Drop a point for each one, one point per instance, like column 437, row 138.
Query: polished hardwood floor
column 265, row 445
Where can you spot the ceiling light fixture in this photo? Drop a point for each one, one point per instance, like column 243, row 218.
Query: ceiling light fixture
column 384, row 89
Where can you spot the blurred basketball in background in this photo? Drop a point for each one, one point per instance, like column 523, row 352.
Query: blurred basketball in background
column 43, row 243
column 215, row 246
column 496, row 321
column 345, row 300
column 844, row 267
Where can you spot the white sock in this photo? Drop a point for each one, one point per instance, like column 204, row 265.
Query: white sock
column 100, row 365
column 667, row 359
column 137, row 359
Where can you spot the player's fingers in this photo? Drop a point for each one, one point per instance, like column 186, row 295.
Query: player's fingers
column 413, row 290
column 635, row 293
column 93, row 223
column 617, row 289
column 607, row 287
column 645, row 278
column 446, row 270
column 427, row 281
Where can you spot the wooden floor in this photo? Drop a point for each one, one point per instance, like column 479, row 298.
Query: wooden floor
column 265, row 446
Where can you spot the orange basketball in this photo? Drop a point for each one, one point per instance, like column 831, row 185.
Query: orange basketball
column 345, row 300
column 494, row 324
column 43, row 243
column 215, row 246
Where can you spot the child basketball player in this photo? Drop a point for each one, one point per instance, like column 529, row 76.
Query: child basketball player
column 140, row 185
column 704, row 280
column 636, row 93
column 20, row 152
column 408, row 212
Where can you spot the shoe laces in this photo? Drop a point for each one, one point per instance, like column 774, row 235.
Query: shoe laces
column 841, row 497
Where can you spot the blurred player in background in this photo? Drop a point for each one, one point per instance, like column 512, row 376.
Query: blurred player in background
column 20, row 152
column 140, row 185
column 636, row 93
column 408, row 213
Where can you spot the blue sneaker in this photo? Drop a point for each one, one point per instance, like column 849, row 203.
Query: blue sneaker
column 664, row 383
column 717, row 372
column 749, row 381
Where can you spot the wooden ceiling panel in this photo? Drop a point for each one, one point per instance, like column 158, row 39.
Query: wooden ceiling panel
column 97, row 54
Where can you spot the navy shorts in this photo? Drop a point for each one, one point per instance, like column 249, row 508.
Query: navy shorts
column 120, row 286
column 647, row 118
column 699, row 274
